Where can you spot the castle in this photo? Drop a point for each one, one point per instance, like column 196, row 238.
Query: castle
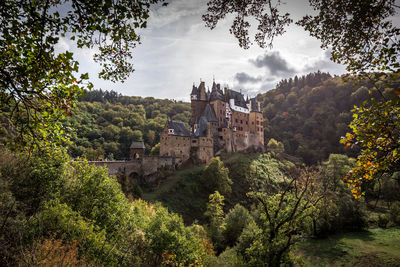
column 222, row 121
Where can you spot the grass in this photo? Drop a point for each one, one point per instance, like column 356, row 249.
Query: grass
column 375, row 247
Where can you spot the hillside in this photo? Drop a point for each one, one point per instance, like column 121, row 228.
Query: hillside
column 309, row 114
column 104, row 124
column 184, row 192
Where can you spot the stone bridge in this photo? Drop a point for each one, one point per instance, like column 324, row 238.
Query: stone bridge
column 144, row 166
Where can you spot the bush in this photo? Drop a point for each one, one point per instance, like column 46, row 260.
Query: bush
column 274, row 144
column 383, row 221
column 395, row 213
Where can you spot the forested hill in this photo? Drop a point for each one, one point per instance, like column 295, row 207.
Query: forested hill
column 309, row 114
column 106, row 123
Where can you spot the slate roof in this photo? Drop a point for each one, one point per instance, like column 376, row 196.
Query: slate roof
column 254, row 105
column 216, row 92
column 179, row 128
column 238, row 98
column 209, row 113
column 208, row 95
column 194, row 90
column 137, row 145
column 202, row 127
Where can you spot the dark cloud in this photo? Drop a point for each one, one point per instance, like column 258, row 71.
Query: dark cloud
column 275, row 64
column 324, row 64
column 243, row 77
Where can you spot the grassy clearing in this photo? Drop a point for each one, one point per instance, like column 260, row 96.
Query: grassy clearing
column 375, row 247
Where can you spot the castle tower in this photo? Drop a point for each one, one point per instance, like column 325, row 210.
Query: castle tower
column 198, row 101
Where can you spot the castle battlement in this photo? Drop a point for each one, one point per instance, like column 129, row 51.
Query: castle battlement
column 222, row 120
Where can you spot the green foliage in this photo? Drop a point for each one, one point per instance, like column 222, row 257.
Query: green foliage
column 278, row 218
column 215, row 213
column 282, row 215
column 215, row 177
column 236, row 220
column 335, row 169
column 96, row 196
column 395, row 213
column 273, row 144
column 311, row 126
column 383, row 220
column 338, row 210
column 266, row 173
column 363, row 45
column 57, row 218
column 106, row 123
column 155, row 150
column 166, row 232
column 39, row 85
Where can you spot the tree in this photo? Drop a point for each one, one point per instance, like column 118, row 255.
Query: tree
column 155, row 150
column 216, row 215
column 274, row 144
column 236, row 220
column 215, row 177
column 38, row 84
column 267, row 241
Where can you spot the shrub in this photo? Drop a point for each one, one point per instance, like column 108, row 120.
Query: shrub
column 383, row 221
column 395, row 213
column 215, row 177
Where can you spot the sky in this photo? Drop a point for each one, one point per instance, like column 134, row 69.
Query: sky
column 177, row 50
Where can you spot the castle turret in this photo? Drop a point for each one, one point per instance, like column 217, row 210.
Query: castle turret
column 198, row 101
column 202, row 91
column 195, row 93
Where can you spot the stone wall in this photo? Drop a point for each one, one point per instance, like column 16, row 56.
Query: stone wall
column 178, row 146
column 144, row 166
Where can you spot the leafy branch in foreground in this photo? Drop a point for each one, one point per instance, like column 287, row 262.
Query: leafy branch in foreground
column 376, row 127
column 39, row 83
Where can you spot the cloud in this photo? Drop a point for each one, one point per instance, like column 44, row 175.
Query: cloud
column 243, row 77
column 274, row 63
column 323, row 63
column 176, row 12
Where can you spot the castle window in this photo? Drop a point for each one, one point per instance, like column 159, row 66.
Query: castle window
column 241, row 121
column 236, row 120
column 194, row 141
column 170, row 131
column 247, row 122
